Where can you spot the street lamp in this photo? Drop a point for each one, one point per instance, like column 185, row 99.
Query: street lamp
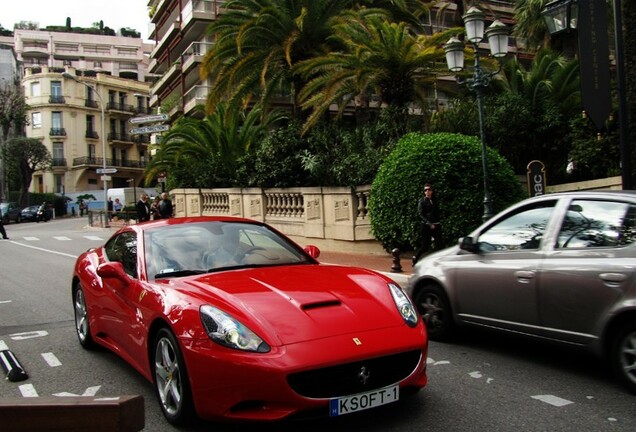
column 101, row 104
column 497, row 34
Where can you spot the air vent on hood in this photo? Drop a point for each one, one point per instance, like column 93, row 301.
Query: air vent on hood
column 321, row 304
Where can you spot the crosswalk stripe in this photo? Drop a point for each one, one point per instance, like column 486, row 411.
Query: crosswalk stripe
column 31, row 238
column 63, row 238
column 93, row 237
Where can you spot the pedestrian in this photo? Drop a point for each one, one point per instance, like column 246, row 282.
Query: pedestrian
column 117, row 205
column 154, row 209
column 165, row 206
column 143, row 208
column 110, row 208
column 428, row 211
column 2, row 230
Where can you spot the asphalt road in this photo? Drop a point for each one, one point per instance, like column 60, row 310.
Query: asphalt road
column 481, row 382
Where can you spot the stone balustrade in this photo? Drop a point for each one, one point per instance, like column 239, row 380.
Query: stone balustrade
column 336, row 218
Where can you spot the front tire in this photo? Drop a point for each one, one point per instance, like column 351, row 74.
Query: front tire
column 433, row 305
column 172, row 384
column 623, row 356
column 82, row 325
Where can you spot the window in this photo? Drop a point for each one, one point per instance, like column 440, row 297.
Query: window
column 36, row 120
column 522, row 230
column 590, row 223
column 35, row 89
column 56, row 88
column 91, row 151
column 59, row 183
column 123, row 249
column 58, row 151
column 56, row 120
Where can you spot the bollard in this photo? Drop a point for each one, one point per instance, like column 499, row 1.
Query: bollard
column 396, row 267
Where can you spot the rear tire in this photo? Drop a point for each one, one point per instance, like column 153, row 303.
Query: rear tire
column 433, row 305
column 623, row 356
column 172, row 384
column 82, row 325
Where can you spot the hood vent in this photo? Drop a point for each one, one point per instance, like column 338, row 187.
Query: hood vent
column 321, row 304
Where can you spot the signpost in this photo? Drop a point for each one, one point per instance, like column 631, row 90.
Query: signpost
column 106, row 170
column 149, row 119
column 149, row 129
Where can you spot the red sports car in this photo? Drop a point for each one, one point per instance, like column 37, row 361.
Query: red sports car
column 232, row 320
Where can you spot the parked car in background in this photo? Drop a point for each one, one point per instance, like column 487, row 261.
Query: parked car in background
column 10, row 212
column 29, row 213
column 559, row 267
column 231, row 320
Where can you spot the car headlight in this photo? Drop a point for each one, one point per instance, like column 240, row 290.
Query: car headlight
column 404, row 305
column 227, row 331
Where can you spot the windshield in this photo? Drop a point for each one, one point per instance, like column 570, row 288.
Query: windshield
column 202, row 247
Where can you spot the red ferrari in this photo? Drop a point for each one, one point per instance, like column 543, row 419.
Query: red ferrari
column 231, row 320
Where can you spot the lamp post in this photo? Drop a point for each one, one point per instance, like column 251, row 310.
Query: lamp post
column 497, row 34
column 101, row 104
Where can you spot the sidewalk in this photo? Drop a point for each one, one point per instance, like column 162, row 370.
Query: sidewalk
column 379, row 262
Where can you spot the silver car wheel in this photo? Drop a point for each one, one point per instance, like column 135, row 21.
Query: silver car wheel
column 433, row 306
column 168, row 376
column 82, row 326
column 627, row 358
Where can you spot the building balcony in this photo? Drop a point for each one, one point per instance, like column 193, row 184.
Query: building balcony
column 57, row 99
column 91, row 104
column 58, row 132
column 92, row 134
column 116, row 106
column 58, row 162
column 121, row 137
column 97, row 162
column 194, row 54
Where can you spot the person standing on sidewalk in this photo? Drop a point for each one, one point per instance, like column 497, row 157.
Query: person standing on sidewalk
column 428, row 211
column 165, row 206
column 143, row 209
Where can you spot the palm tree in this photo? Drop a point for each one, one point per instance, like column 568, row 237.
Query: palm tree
column 212, row 144
column 530, row 25
column 258, row 42
column 377, row 56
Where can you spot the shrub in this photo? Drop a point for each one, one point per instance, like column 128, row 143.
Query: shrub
column 452, row 163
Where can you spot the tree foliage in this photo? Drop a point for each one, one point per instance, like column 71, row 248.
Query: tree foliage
column 24, row 156
column 453, row 164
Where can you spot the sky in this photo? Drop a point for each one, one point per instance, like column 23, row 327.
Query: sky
column 83, row 13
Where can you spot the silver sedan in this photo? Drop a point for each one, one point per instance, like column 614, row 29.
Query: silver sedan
column 559, row 267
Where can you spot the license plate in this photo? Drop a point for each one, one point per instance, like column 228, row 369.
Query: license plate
column 363, row 401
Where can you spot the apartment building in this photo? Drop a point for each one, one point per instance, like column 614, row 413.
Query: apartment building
column 125, row 57
column 181, row 43
column 66, row 112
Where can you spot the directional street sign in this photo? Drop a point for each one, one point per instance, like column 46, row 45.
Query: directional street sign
column 106, row 170
column 149, row 129
column 149, row 119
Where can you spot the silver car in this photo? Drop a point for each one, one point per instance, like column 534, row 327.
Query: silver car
column 560, row 267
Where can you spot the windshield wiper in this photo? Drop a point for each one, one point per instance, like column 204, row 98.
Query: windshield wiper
column 178, row 273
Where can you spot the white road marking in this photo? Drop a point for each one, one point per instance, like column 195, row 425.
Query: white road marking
column 29, row 335
column 5, row 301
column 63, row 238
column 46, row 250
column 475, row 374
column 90, row 391
column 3, row 346
column 552, row 400
column 31, row 238
column 27, row 390
column 89, row 237
column 51, row 360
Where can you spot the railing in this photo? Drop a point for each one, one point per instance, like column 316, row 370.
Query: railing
column 58, row 162
column 115, row 136
column 57, row 132
column 57, row 99
column 312, row 213
column 91, row 134
column 121, row 107
column 91, row 104
column 98, row 162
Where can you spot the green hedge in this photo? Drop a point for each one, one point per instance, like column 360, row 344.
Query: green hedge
column 452, row 163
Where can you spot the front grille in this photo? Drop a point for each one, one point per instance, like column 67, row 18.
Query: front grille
column 349, row 378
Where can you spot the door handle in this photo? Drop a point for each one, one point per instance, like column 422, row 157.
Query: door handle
column 613, row 277
column 524, row 275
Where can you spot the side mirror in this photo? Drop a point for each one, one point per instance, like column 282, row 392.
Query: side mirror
column 313, row 251
column 468, row 244
column 113, row 269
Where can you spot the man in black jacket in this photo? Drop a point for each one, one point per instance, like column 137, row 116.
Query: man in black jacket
column 165, row 206
column 431, row 227
column 143, row 209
